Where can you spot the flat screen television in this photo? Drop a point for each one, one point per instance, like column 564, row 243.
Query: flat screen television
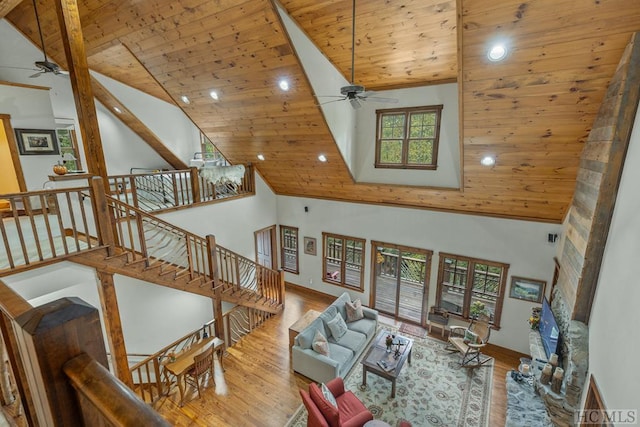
column 549, row 331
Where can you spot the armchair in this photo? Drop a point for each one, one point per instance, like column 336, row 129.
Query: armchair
column 349, row 413
column 470, row 340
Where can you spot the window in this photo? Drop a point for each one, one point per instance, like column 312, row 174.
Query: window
column 467, row 285
column 69, row 144
column 343, row 260
column 408, row 138
column 289, row 248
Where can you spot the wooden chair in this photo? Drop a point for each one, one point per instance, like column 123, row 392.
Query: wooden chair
column 202, row 363
column 461, row 340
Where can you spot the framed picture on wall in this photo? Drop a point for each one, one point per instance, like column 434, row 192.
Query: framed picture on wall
column 527, row 289
column 310, row 246
column 37, row 142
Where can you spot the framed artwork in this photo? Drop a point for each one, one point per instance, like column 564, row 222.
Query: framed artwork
column 37, row 142
column 527, row 289
column 310, row 246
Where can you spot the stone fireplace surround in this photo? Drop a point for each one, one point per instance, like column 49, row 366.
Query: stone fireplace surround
column 575, row 360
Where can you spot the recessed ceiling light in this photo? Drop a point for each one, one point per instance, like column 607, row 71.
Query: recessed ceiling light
column 284, row 85
column 117, row 110
column 260, row 157
column 497, row 53
column 214, row 94
column 322, row 158
column 185, row 99
column 488, row 161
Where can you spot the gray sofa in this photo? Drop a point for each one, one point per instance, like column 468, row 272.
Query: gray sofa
column 343, row 352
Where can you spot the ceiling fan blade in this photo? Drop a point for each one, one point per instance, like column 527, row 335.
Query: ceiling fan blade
column 378, row 99
column 334, row 100
column 36, row 74
column 330, row 96
column 355, row 103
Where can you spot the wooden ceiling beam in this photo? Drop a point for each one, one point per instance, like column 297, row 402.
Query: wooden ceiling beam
column 7, row 6
column 71, row 30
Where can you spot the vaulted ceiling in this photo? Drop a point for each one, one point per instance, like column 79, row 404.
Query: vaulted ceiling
column 532, row 111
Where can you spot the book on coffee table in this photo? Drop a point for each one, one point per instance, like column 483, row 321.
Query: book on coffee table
column 386, row 365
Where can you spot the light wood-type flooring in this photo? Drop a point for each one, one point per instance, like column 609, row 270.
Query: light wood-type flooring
column 262, row 388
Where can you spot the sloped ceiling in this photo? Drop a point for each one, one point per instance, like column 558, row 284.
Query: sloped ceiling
column 532, row 111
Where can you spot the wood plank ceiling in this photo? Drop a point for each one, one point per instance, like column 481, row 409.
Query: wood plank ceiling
column 532, row 111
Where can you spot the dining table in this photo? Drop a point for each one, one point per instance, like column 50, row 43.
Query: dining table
column 184, row 361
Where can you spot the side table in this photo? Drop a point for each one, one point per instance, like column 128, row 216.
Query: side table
column 300, row 324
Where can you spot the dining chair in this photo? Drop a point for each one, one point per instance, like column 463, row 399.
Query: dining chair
column 202, row 363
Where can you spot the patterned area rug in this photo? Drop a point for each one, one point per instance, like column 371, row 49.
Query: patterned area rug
column 413, row 330
column 433, row 391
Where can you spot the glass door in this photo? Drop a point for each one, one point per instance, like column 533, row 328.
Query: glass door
column 400, row 281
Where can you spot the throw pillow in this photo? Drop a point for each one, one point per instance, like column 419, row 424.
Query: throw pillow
column 470, row 337
column 329, row 412
column 354, row 310
column 320, row 343
column 337, row 326
column 328, row 395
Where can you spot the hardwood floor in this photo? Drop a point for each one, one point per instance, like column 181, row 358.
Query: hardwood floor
column 262, row 388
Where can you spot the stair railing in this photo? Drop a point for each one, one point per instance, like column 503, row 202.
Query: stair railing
column 41, row 226
column 153, row 191
column 176, row 251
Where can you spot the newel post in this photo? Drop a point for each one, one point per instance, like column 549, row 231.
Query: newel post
column 101, row 214
column 195, row 185
column 217, row 290
column 54, row 333
column 282, row 285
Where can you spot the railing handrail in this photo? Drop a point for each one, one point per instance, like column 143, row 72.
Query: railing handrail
column 107, row 396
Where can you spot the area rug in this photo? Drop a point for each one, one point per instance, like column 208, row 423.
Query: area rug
column 413, row 330
column 433, row 391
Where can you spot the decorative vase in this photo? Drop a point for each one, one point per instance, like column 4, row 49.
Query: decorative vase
column 59, row 169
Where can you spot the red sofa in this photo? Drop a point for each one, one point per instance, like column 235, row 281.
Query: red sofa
column 350, row 412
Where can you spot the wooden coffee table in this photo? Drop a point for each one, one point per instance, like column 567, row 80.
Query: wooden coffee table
column 378, row 352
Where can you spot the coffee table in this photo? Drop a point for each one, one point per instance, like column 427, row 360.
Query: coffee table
column 378, row 352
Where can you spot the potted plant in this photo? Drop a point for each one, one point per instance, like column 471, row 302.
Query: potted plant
column 477, row 308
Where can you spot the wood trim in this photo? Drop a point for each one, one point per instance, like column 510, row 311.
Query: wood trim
column 342, row 283
column 405, row 140
column 467, row 296
column 282, row 256
column 427, row 278
column 26, row 86
column 593, row 402
column 460, row 81
column 13, row 149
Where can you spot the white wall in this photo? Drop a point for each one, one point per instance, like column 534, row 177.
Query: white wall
column 326, row 82
column 613, row 342
column 152, row 316
column 521, row 244
column 165, row 120
column 232, row 223
column 448, row 172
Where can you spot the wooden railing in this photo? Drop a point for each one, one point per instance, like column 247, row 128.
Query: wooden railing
column 43, row 226
column 150, row 378
column 240, row 321
column 53, row 346
column 161, row 190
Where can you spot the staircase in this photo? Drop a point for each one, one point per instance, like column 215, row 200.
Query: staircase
column 150, row 249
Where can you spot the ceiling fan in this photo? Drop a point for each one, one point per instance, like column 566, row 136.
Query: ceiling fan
column 45, row 66
column 355, row 93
